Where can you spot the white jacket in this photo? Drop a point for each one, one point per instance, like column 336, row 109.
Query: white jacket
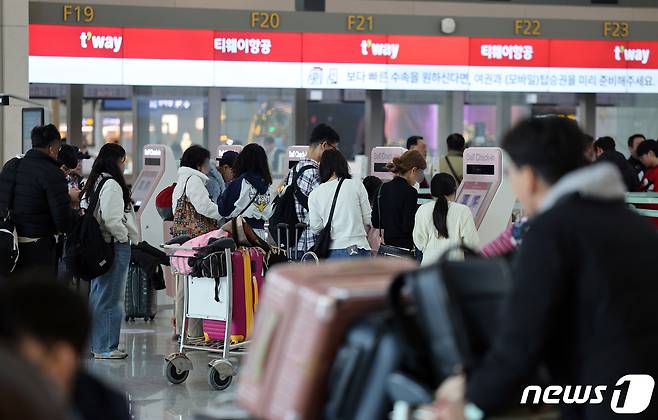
column 461, row 226
column 110, row 213
column 195, row 191
column 351, row 216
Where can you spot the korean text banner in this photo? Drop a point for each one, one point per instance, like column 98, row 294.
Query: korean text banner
column 185, row 57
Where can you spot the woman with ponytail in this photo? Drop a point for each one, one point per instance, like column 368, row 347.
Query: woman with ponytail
column 443, row 223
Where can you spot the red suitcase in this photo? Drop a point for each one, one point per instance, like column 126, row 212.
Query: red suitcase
column 300, row 324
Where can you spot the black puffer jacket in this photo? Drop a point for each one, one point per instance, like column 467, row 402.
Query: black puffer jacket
column 41, row 201
column 627, row 171
column 583, row 300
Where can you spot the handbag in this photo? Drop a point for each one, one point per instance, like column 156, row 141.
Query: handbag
column 322, row 246
column 241, row 232
column 389, row 250
column 187, row 221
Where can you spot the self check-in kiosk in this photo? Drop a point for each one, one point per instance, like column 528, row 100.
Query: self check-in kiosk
column 295, row 154
column 486, row 191
column 379, row 157
column 159, row 170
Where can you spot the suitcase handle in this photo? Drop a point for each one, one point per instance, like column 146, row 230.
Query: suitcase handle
column 340, row 377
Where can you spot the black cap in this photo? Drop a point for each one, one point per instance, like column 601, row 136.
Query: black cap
column 67, row 156
column 228, row 158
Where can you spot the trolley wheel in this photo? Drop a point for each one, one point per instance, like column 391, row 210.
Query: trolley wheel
column 217, row 381
column 174, row 375
column 146, row 319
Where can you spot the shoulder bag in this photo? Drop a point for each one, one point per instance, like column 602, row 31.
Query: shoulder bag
column 389, row 250
column 241, row 232
column 187, row 221
column 322, row 246
column 452, row 170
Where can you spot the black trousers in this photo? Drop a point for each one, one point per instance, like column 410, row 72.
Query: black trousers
column 37, row 260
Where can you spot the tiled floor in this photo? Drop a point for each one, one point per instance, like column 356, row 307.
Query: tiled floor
column 141, row 376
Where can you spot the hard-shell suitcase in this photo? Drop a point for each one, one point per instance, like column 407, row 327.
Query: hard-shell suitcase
column 372, row 351
column 300, row 324
column 140, row 299
column 248, row 278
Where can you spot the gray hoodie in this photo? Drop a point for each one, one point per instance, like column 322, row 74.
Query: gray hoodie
column 601, row 181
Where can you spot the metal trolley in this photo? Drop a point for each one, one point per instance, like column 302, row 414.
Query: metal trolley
column 199, row 302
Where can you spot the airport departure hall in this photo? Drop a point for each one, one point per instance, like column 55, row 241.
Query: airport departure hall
column 329, row 209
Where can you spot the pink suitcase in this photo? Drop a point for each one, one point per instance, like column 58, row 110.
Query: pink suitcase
column 301, row 322
column 247, row 283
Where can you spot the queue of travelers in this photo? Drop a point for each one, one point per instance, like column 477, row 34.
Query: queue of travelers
column 552, row 177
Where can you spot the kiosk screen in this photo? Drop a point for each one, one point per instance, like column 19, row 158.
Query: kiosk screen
column 472, row 195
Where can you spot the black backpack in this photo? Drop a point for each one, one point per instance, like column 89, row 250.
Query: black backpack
column 86, row 253
column 8, row 236
column 284, row 219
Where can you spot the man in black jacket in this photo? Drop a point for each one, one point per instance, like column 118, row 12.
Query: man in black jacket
column 583, row 303
column 41, row 202
column 634, row 141
column 605, row 150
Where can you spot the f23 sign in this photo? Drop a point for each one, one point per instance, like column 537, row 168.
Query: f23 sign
column 191, row 57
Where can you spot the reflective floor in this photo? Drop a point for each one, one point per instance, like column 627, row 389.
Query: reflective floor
column 141, row 376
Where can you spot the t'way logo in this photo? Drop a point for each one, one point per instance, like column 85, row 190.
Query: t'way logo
column 376, row 49
column 106, row 42
column 632, row 54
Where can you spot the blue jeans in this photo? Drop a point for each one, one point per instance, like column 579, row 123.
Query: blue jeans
column 106, row 298
column 338, row 254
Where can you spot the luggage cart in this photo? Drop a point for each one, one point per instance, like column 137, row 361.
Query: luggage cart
column 199, row 302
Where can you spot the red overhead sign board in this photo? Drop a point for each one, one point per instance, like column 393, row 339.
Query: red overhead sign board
column 114, row 55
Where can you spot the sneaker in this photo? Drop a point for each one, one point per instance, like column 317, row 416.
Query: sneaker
column 113, row 355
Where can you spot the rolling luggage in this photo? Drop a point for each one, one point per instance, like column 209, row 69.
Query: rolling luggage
column 302, row 319
column 248, row 279
column 372, row 351
column 140, row 299
column 456, row 310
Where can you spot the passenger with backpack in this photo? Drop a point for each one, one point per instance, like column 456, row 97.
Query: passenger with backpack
column 108, row 197
column 36, row 201
column 291, row 207
column 340, row 205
